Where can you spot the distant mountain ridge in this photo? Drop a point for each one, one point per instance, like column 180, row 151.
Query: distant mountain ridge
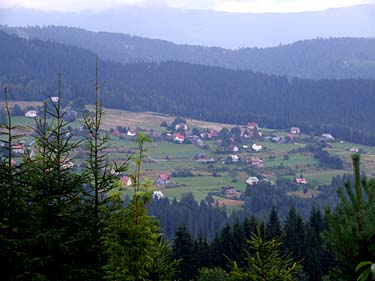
column 209, row 28
column 319, row 58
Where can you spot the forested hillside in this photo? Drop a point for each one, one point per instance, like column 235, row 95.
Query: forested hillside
column 30, row 68
column 319, row 58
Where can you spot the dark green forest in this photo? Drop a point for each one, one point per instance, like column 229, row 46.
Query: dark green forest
column 316, row 59
column 342, row 107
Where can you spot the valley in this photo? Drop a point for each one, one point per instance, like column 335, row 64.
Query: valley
column 217, row 156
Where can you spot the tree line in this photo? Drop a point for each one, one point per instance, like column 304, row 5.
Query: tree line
column 312, row 59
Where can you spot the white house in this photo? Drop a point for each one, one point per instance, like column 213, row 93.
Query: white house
column 158, row 195
column 252, row 181
column 18, row 149
column 354, row 149
column 55, row 99
column 295, row 130
column 328, row 136
column 131, row 133
column 256, row 147
column 181, row 126
column 234, row 158
column 31, row 114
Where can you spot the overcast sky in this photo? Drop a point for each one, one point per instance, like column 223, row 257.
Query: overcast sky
column 256, row 6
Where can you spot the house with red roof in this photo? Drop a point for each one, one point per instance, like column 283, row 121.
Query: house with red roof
column 18, row 149
column 162, row 179
column 179, row 138
column 125, row 181
column 252, row 125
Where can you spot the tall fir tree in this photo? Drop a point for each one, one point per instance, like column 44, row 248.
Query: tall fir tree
column 273, row 225
column 267, row 264
column 350, row 236
column 183, row 250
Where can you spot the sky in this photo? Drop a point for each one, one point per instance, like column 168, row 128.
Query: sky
column 240, row 6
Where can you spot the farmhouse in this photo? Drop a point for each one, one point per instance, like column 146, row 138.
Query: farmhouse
column 55, row 99
column 162, row 179
column 252, row 181
column 18, row 149
column 234, row 148
column 256, row 147
column 125, row 181
column 301, row 181
column 354, row 149
column 179, row 138
column 295, row 130
column 234, row 158
column 328, row 136
column 256, row 162
column 252, row 126
column 181, row 126
column 31, row 114
column 131, row 133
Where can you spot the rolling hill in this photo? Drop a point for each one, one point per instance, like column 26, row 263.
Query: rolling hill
column 316, row 59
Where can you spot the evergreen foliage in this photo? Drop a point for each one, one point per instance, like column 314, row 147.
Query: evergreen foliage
column 267, row 264
column 352, row 58
column 351, row 227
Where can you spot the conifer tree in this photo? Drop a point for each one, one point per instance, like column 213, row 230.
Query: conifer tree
column 54, row 251
column 14, row 218
column 183, row 247
column 101, row 176
column 273, row 225
column 294, row 235
column 132, row 238
column 317, row 260
column 350, row 236
column 267, row 263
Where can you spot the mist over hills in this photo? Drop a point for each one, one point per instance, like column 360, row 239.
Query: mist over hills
column 30, row 69
column 210, row 28
column 318, row 58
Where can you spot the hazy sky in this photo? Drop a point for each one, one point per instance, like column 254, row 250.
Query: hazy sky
column 257, row 6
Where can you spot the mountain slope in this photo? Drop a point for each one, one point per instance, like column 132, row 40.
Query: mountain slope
column 30, row 68
column 209, row 28
column 330, row 58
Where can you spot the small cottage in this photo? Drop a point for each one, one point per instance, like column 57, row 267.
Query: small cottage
column 162, row 179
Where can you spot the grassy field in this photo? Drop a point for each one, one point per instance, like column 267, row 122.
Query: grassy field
column 181, row 155
column 199, row 186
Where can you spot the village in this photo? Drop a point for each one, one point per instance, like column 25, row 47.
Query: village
column 220, row 161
